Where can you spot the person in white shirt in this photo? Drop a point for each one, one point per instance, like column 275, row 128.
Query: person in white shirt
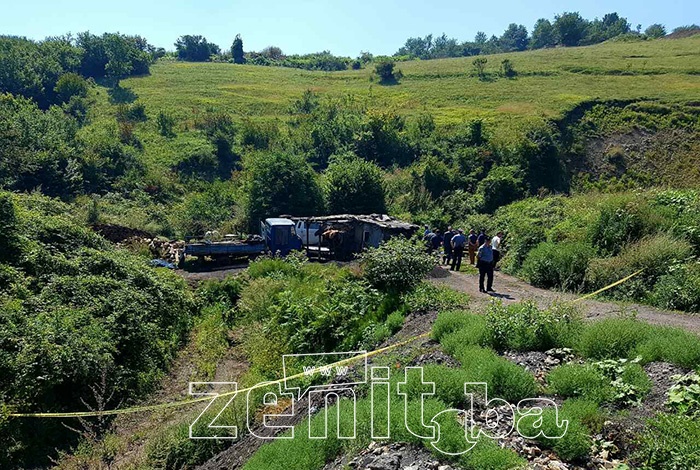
column 496, row 245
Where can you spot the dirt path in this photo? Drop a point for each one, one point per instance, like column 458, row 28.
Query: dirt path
column 510, row 289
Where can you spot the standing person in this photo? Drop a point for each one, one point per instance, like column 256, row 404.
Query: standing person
column 427, row 231
column 447, row 244
column 458, row 242
column 485, row 264
column 496, row 246
column 472, row 246
column 436, row 241
column 482, row 236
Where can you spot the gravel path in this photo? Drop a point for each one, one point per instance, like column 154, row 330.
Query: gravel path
column 510, row 289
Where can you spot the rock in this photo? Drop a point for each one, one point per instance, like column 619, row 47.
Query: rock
column 444, row 467
column 385, row 462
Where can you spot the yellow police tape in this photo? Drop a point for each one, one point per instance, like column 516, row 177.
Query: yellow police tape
column 175, row 404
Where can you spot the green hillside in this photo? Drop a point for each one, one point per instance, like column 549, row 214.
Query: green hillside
column 550, row 82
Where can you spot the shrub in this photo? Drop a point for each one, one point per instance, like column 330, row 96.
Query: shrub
column 624, row 220
column 669, row 344
column 503, row 185
column 354, row 186
column 507, row 69
column 166, row 124
column 479, row 67
column 574, row 445
column 669, row 442
column 654, row 256
column 612, row 338
column 580, row 381
column 385, row 71
column 587, row 412
column 429, row 297
column 558, row 265
column 227, row 291
column 684, row 395
column 505, row 379
column 267, row 267
column 679, row 290
column 466, row 323
column 397, row 265
column 525, row 327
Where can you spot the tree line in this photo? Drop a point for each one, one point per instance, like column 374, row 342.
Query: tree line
column 567, row 29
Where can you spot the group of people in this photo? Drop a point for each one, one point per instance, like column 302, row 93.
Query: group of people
column 484, row 252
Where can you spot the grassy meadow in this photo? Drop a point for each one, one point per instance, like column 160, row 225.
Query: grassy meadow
column 550, row 82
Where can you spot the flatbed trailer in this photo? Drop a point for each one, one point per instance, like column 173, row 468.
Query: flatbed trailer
column 232, row 249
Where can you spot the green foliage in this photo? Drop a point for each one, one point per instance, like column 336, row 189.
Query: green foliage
column 208, row 210
column 574, row 445
column 684, row 395
column 671, row 345
column 669, row 442
column 354, row 186
column 507, row 69
column 628, row 380
column 396, row 265
column 525, row 327
column 237, row 50
column 501, row 186
column 558, row 265
column 612, row 338
column 655, row 256
column 655, row 31
column 195, row 48
column 504, row 378
column 571, row 29
column 278, row 184
column 386, row 73
column 221, row 291
column 580, row 380
column 113, row 55
column 429, row 297
column 90, row 311
column 479, row 67
column 71, row 85
column 470, row 325
column 679, row 290
column 166, row 124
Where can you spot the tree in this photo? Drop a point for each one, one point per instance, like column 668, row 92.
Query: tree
column 514, row 38
column 502, row 186
column 480, row 38
column 272, row 53
column 195, row 48
column 385, row 70
column 507, row 68
column 479, row 65
column 543, row 35
column 279, row 183
column 571, row 28
column 237, row 50
column 655, row 30
column 70, row 85
column 612, row 25
column 354, row 186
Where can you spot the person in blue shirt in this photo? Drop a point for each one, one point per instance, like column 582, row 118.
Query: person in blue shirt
column 484, row 256
column 458, row 242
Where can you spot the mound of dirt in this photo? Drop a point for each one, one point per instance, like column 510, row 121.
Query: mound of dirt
column 119, row 233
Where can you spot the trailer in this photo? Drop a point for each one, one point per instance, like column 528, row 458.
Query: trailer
column 277, row 237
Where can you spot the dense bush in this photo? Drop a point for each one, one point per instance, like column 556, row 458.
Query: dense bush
column 558, row 265
column 669, row 442
column 582, row 381
column 612, row 338
column 278, row 184
column 77, row 310
column 525, row 327
column 655, row 256
column 679, row 290
column 501, row 186
column 354, row 186
column 397, row 264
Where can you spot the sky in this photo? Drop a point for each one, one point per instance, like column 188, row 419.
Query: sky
column 300, row 26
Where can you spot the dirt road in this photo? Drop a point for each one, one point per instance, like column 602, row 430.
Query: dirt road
column 510, row 289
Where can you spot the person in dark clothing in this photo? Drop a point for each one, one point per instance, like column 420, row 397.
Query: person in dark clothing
column 485, row 264
column 436, row 241
column 458, row 242
column 472, row 246
column 482, row 236
column 447, row 244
